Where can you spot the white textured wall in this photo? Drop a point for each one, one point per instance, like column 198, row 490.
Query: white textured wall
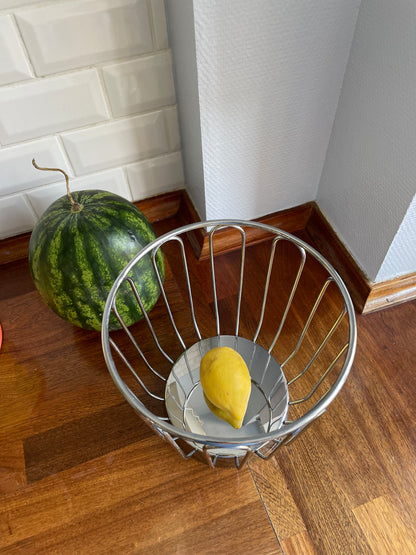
column 401, row 256
column 369, row 177
column 269, row 78
column 181, row 28
column 86, row 86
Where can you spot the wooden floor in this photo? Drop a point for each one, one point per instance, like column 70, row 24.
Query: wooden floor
column 81, row 473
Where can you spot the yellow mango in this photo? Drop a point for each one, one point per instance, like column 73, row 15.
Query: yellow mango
column 226, row 383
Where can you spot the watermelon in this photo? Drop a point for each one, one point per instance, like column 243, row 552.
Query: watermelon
column 78, row 248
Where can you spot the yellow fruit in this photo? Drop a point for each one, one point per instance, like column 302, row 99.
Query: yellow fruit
column 226, row 383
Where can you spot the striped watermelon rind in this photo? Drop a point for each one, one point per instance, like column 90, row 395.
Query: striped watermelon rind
column 75, row 256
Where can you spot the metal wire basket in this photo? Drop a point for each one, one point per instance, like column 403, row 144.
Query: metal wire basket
column 282, row 306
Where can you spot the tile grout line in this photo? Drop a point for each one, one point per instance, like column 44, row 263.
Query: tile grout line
column 24, row 48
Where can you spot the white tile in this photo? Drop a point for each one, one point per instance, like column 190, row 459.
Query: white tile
column 159, row 24
column 112, row 180
column 172, row 128
column 6, row 4
column 158, row 175
column 16, row 216
column 50, row 105
column 67, row 35
column 14, row 65
column 17, row 171
column 116, row 143
column 141, row 84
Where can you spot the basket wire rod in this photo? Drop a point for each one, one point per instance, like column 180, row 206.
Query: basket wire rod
column 214, row 285
column 321, row 346
column 214, row 288
column 167, row 305
column 134, row 342
column 189, row 289
column 189, row 455
column 246, row 458
column 268, row 399
column 185, row 455
column 288, row 421
column 185, row 404
column 166, row 436
column 283, row 441
column 266, row 404
column 271, row 394
column 153, row 427
column 252, row 356
column 179, row 383
column 308, row 322
column 321, row 379
column 240, row 285
column 266, row 367
column 129, row 366
column 340, row 317
column 169, row 394
column 147, row 319
column 292, row 294
column 270, row 446
column 188, row 367
column 266, row 287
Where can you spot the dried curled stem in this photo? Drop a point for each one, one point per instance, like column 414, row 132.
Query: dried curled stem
column 75, row 206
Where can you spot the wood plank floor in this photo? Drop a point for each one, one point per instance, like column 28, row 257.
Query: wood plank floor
column 81, row 473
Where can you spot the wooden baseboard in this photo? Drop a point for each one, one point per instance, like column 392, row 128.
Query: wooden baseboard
column 155, row 209
column 391, row 292
column 327, row 242
column 290, row 220
column 162, row 206
column 14, row 248
column 367, row 296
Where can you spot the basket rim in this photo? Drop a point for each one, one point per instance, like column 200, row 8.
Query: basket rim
column 248, row 441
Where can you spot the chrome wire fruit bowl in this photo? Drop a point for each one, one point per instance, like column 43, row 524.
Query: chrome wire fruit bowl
column 282, row 306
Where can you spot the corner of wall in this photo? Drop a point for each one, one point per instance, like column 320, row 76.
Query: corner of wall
column 181, row 32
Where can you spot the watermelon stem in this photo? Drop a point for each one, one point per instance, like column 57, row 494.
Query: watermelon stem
column 75, row 206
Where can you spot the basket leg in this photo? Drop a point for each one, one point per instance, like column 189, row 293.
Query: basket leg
column 246, row 459
column 208, row 457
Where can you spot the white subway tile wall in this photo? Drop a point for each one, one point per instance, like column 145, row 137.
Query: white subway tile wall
column 18, row 174
column 116, row 143
column 14, row 65
column 155, row 175
column 111, row 180
column 45, row 106
column 16, row 214
column 141, row 84
column 172, row 129
column 69, row 35
column 85, row 86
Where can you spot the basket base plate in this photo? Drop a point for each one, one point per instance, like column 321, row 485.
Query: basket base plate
column 267, row 406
